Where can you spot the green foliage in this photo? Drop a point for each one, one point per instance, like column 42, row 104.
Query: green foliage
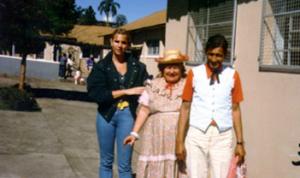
column 87, row 17
column 121, row 20
column 13, row 99
column 21, row 22
column 59, row 16
column 108, row 7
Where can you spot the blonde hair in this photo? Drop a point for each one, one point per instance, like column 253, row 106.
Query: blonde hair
column 122, row 31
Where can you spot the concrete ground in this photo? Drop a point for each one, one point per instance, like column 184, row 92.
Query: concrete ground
column 58, row 142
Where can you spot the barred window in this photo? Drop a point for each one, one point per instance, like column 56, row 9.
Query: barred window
column 207, row 18
column 280, row 36
column 153, row 47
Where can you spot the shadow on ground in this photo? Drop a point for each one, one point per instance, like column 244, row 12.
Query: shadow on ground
column 61, row 94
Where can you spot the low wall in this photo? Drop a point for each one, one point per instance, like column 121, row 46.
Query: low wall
column 36, row 68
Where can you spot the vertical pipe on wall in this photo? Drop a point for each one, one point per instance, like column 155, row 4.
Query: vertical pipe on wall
column 233, row 36
column 260, row 60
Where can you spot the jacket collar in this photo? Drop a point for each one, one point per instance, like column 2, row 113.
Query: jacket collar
column 132, row 68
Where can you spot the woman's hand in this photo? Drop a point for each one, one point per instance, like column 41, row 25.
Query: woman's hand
column 129, row 140
column 180, row 155
column 240, row 152
column 180, row 151
column 134, row 91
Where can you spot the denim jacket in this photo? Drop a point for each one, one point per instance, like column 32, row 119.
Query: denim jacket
column 104, row 78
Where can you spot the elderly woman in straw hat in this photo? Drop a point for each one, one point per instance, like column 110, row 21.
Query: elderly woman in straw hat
column 158, row 114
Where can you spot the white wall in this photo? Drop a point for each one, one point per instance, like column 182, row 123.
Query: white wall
column 36, row 68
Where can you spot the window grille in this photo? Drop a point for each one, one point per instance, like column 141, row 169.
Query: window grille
column 210, row 18
column 153, row 47
column 280, row 34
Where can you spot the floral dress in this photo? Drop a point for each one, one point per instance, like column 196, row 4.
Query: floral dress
column 157, row 144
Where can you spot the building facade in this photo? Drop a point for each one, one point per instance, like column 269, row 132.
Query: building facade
column 264, row 38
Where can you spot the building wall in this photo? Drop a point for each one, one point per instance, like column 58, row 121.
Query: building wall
column 48, row 52
column 74, row 51
column 176, row 26
column 35, row 68
column 140, row 39
column 271, row 110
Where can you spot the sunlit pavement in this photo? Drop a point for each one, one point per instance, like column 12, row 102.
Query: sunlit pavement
column 58, row 142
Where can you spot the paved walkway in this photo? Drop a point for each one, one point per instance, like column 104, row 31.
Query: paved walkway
column 58, row 142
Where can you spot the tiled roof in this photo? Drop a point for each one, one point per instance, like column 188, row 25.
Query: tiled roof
column 89, row 34
column 157, row 18
column 92, row 34
column 154, row 19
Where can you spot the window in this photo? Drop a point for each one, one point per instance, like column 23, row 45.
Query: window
column 153, row 47
column 280, row 36
column 207, row 18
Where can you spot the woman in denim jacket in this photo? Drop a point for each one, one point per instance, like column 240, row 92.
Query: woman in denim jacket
column 115, row 83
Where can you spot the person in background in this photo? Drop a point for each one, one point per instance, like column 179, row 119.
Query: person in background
column 78, row 77
column 62, row 66
column 158, row 116
column 90, row 63
column 70, row 66
column 115, row 83
column 210, row 113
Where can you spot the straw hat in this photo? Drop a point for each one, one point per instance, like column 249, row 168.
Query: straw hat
column 172, row 56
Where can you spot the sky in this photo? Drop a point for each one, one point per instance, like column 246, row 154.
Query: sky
column 132, row 9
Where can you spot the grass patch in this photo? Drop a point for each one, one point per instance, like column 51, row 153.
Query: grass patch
column 11, row 98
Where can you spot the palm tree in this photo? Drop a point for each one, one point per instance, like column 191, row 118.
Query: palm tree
column 121, row 20
column 108, row 7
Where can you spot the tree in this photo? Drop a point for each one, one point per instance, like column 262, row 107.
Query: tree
column 108, row 7
column 87, row 17
column 23, row 22
column 60, row 17
column 121, row 20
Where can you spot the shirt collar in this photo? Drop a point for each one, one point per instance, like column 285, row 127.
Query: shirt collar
column 209, row 70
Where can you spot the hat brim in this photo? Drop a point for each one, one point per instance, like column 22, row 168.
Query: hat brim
column 172, row 60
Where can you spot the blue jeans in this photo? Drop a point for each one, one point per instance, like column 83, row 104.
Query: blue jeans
column 117, row 129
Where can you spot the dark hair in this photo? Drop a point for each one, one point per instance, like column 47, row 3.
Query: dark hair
column 161, row 68
column 122, row 31
column 216, row 41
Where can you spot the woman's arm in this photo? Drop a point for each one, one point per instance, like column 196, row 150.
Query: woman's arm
column 181, row 130
column 238, row 128
column 98, row 89
column 140, row 120
column 135, row 90
column 129, row 91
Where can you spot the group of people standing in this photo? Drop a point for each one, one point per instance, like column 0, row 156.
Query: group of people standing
column 182, row 124
column 68, row 68
column 66, row 64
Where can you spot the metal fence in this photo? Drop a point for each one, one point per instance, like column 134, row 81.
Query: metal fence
column 280, row 34
column 208, row 20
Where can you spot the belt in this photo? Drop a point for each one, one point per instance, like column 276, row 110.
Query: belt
column 122, row 105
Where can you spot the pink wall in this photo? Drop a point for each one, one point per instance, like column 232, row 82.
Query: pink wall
column 271, row 110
